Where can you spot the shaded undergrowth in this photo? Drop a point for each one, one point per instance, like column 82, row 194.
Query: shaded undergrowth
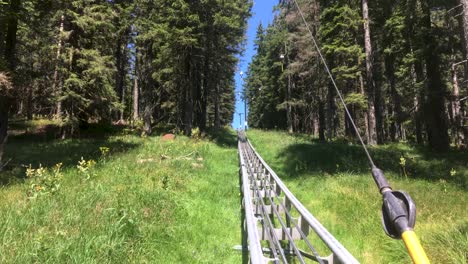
column 38, row 143
column 333, row 181
column 302, row 155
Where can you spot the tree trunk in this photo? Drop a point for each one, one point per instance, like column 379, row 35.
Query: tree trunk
column 456, row 113
column 216, row 109
column 55, row 84
column 465, row 23
column 288, row 97
column 369, row 75
column 147, row 120
column 188, row 102
column 122, row 101
column 204, row 99
column 10, row 44
column 331, row 110
column 465, row 35
column 198, row 96
column 418, row 102
column 435, row 88
column 363, row 92
column 135, row 98
column 121, row 62
column 395, row 126
column 4, row 106
column 29, row 103
column 12, row 28
column 321, row 119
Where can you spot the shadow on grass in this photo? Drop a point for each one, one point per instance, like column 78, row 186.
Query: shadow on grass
column 223, row 137
column 41, row 146
column 335, row 157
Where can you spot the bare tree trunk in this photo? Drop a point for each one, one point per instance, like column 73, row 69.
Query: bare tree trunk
column 216, row 109
column 418, row 101
column 315, row 122
column 136, row 88
column 68, row 129
column 331, row 111
column 395, row 127
column 321, row 119
column 135, row 98
column 465, row 34
column 288, row 106
column 189, row 91
column 121, row 63
column 362, row 91
column 4, row 106
column 147, row 120
column 122, row 101
column 288, row 95
column 122, row 85
column 10, row 44
column 435, row 114
column 58, row 91
column 369, row 75
column 465, row 23
column 29, row 103
column 456, row 113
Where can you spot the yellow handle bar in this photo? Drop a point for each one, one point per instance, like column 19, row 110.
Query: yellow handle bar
column 416, row 251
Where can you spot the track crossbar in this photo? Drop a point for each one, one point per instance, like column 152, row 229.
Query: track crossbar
column 276, row 227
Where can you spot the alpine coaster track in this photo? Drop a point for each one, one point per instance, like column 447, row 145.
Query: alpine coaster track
column 274, row 221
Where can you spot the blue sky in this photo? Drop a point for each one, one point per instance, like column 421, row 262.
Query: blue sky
column 262, row 12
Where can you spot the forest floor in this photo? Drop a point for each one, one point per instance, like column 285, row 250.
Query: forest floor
column 333, row 181
column 144, row 200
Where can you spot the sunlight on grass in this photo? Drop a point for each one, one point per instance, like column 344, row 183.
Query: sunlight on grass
column 144, row 201
column 334, row 182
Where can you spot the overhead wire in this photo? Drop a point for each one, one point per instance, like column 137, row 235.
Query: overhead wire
column 348, row 113
column 399, row 211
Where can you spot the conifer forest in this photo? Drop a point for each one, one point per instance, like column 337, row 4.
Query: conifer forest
column 109, row 61
column 401, row 66
column 229, row 131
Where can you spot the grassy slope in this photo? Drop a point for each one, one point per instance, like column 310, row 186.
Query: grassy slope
column 137, row 207
column 333, row 181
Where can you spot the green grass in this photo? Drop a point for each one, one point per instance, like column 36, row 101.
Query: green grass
column 148, row 201
column 333, row 181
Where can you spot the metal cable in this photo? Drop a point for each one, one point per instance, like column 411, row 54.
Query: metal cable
column 371, row 161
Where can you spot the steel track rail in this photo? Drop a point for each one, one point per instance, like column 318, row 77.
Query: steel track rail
column 255, row 248
column 270, row 209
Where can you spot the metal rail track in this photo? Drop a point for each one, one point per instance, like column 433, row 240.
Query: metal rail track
column 276, row 227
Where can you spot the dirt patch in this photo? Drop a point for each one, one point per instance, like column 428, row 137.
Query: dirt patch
column 168, row 137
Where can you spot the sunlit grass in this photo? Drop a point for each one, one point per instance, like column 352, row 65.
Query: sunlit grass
column 145, row 201
column 153, row 201
column 334, row 183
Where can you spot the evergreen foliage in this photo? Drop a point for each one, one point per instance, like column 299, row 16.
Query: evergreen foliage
column 417, row 63
column 77, row 60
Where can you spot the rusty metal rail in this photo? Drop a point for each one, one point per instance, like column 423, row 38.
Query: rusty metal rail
column 276, row 227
